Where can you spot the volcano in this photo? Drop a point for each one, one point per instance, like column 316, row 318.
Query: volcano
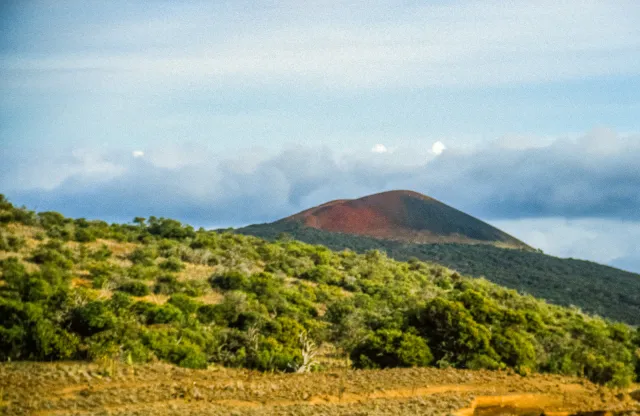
column 402, row 216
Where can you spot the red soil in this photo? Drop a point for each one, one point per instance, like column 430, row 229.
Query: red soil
column 387, row 216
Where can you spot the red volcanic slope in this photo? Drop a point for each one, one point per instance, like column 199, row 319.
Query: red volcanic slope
column 405, row 216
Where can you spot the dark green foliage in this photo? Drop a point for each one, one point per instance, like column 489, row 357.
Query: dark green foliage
column 166, row 285
column 232, row 280
column 165, row 314
column 92, row 318
column 134, row 288
column 593, row 287
column 167, row 228
column 54, row 253
column 391, row 348
column 452, row 332
column 9, row 213
column 143, row 256
column 184, row 303
column 172, row 264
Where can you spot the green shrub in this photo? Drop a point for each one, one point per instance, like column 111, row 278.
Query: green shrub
column 140, row 272
column 143, row 256
column 209, row 314
column 134, row 288
column 92, row 318
column 53, row 253
column 101, row 253
column 84, row 235
column 165, row 314
column 391, row 348
column 167, row 284
column 172, row 264
column 184, row 303
column 231, row 280
column 194, row 288
column 452, row 332
column 10, row 242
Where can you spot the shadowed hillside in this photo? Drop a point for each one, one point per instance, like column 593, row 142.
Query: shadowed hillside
column 593, row 287
column 403, row 216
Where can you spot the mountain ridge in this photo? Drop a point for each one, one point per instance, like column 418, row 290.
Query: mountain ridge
column 592, row 287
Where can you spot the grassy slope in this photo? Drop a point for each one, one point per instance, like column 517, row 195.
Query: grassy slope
column 594, row 288
column 70, row 301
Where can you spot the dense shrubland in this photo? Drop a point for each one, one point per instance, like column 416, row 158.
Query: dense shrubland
column 159, row 290
column 592, row 287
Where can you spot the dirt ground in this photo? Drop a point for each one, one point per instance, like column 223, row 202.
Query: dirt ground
column 161, row 389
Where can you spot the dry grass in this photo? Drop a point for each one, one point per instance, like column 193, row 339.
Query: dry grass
column 154, row 298
column 211, row 298
column 197, row 272
column 161, row 389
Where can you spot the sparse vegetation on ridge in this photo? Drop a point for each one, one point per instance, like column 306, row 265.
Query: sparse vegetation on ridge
column 159, row 290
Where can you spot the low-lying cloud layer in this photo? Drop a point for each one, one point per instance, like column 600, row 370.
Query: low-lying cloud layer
column 595, row 176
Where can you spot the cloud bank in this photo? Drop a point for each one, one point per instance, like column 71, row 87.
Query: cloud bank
column 560, row 195
column 593, row 176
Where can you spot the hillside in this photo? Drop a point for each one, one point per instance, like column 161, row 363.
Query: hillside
column 402, row 216
column 160, row 290
column 592, row 287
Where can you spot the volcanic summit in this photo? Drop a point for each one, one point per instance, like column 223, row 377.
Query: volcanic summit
column 403, row 216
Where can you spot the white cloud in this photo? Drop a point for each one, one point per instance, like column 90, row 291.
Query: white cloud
column 544, row 186
column 137, row 153
column 438, row 147
column 601, row 240
column 379, row 148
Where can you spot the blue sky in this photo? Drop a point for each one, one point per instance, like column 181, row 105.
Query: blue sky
column 523, row 113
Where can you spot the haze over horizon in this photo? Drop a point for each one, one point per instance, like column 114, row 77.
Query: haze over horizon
column 522, row 114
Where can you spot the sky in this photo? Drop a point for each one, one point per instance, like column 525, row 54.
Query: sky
column 524, row 114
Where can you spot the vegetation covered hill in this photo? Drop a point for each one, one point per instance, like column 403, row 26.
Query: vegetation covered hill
column 402, row 216
column 159, row 290
column 592, row 287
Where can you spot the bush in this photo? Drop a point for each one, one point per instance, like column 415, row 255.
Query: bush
column 165, row 314
column 184, row 303
column 452, row 332
column 208, row 314
column 231, row 280
column 134, row 288
column 92, row 318
column 172, row 264
column 391, row 348
column 143, row 256
column 53, row 253
column 10, row 242
column 101, row 253
column 167, row 285
column 140, row 272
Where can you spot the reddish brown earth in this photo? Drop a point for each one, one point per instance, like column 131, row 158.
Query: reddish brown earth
column 403, row 216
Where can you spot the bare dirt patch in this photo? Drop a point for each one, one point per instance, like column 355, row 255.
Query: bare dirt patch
column 161, row 389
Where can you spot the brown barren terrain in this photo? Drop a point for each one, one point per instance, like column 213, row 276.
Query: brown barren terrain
column 403, row 216
column 160, row 389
